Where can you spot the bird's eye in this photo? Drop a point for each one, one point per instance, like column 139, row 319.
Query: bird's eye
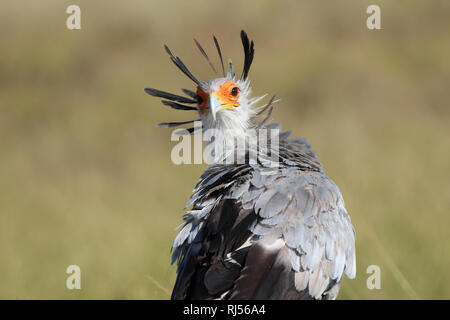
column 234, row 91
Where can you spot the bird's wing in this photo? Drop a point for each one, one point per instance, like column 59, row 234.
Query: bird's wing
column 211, row 241
column 306, row 240
column 281, row 236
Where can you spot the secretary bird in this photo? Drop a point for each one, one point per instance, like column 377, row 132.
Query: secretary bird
column 269, row 224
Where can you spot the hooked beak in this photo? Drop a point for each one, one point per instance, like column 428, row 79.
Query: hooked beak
column 214, row 105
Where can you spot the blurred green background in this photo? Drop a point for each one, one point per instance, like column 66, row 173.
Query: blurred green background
column 86, row 177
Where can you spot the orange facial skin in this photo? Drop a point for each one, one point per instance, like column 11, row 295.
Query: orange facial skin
column 228, row 94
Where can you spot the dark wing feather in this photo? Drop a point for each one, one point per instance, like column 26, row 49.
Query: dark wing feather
column 186, row 270
column 215, row 272
column 266, row 275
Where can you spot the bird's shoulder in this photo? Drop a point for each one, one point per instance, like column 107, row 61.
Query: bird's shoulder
column 249, row 216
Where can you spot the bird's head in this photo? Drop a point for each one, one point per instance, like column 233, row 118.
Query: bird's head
column 222, row 103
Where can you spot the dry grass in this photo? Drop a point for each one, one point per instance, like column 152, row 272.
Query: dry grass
column 86, row 178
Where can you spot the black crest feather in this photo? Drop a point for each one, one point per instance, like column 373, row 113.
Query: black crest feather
column 203, row 52
column 177, row 106
column 177, row 61
column 175, row 124
column 168, row 96
column 249, row 52
column 220, row 54
column 190, row 93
